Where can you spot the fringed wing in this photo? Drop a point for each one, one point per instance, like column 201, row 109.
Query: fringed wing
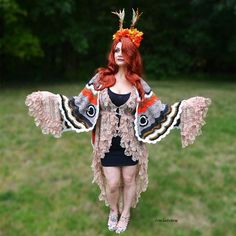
column 80, row 112
column 58, row 113
column 154, row 120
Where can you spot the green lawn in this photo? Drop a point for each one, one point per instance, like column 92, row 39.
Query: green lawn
column 45, row 183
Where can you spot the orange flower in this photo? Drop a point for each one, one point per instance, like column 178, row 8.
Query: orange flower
column 134, row 35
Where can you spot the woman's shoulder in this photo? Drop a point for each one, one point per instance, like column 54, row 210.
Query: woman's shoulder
column 92, row 83
column 94, row 79
column 145, row 85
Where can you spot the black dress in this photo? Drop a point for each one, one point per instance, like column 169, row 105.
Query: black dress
column 116, row 156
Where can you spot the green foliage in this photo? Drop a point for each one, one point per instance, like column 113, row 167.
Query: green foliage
column 18, row 40
column 57, row 39
column 21, row 44
column 190, row 36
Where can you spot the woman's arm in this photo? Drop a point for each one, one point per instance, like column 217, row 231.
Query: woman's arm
column 57, row 113
column 155, row 119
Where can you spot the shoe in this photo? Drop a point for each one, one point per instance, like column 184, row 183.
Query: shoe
column 120, row 229
column 112, row 221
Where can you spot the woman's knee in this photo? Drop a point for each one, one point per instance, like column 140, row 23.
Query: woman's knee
column 129, row 180
column 113, row 185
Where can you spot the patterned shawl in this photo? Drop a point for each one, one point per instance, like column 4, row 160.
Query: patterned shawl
column 153, row 119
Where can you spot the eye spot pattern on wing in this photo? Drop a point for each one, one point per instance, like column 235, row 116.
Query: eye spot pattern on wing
column 143, row 120
column 91, row 111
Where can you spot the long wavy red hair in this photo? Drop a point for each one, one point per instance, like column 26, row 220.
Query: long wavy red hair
column 134, row 67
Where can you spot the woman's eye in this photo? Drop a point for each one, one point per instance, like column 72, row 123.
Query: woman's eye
column 117, row 50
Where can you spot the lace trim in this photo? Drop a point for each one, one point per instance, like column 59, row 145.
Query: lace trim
column 105, row 131
column 44, row 107
column 194, row 110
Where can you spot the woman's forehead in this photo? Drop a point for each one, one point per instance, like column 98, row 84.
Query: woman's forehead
column 119, row 45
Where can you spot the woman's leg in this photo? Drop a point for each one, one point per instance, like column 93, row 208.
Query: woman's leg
column 113, row 175
column 128, row 174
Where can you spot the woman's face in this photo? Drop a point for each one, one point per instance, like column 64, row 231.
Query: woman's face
column 119, row 60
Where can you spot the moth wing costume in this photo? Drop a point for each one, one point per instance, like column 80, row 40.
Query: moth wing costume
column 147, row 121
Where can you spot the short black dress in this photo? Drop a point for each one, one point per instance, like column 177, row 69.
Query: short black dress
column 116, row 155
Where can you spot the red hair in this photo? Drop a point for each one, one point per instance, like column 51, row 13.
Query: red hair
column 134, row 67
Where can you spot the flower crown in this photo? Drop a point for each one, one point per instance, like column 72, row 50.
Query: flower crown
column 133, row 34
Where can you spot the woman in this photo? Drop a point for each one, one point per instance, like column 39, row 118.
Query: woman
column 124, row 114
column 122, row 73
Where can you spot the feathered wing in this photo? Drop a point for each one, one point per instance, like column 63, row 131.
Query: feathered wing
column 154, row 120
column 57, row 113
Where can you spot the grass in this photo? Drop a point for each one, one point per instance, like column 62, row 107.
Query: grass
column 45, row 183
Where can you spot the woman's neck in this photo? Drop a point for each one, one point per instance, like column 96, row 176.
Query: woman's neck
column 121, row 73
